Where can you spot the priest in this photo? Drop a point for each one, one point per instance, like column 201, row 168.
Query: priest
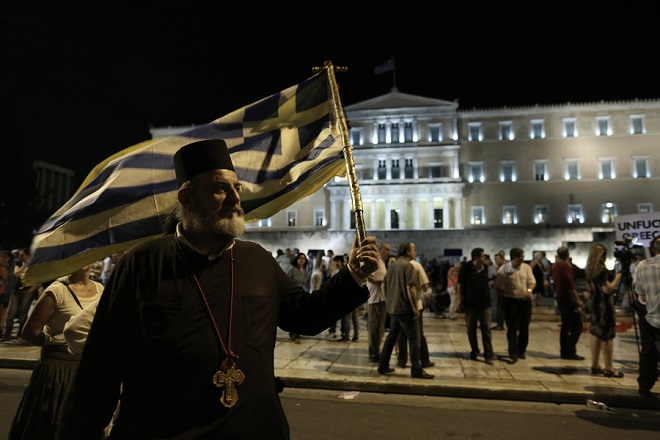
column 185, row 331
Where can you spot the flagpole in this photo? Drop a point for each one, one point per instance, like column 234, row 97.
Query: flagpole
column 338, row 110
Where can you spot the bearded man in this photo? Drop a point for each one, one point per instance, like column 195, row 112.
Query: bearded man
column 185, row 331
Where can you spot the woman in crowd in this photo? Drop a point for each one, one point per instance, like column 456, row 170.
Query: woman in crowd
column 298, row 273
column 38, row 411
column 601, row 284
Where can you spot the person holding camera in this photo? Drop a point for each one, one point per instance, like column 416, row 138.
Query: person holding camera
column 601, row 284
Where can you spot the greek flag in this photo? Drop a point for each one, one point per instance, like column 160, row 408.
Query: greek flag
column 283, row 147
column 387, row 66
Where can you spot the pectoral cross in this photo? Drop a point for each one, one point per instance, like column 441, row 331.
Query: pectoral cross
column 228, row 378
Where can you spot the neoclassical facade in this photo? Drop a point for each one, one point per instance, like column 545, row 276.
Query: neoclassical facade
column 451, row 179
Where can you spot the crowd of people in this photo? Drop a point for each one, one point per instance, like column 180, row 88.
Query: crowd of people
column 200, row 304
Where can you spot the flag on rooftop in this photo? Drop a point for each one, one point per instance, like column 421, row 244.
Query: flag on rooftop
column 283, row 147
column 387, row 66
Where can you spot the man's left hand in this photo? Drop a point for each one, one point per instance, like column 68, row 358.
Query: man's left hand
column 364, row 259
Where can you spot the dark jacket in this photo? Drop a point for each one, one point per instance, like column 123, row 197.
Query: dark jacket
column 152, row 335
column 475, row 291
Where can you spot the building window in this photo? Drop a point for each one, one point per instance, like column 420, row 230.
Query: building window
column 382, row 170
column 575, row 214
column 603, row 126
column 291, row 217
column 608, row 212
column 507, row 171
column 395, row 133
column 438, row 206
column 394, row 219
column 640, row 167
column 509, row 216
column 319, row 217
column 409, row 169
column 476, row 172
column 265, row 223
column 408, row 132
column 644, row 208
column 435, row 132
column 382, row 133
column 474, row 132
column 537, row 130
column 506, row 133
column 356, row 136
column 541, row 170
column 478, row 217
column 572, row 171
column 396, row 171
column 540, row 214
column 570, row 127
column 637, row 124
column 606, row 168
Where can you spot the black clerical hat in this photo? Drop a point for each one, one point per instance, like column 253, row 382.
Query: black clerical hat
column 199, row 157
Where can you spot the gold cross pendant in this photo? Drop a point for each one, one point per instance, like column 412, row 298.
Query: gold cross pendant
column 228, row 378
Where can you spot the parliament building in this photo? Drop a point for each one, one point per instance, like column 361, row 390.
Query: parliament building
column 451, row 179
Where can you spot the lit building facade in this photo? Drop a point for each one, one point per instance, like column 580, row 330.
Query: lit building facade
column 450, row 179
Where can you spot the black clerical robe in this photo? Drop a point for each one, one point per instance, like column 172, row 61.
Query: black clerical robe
column 153, row 341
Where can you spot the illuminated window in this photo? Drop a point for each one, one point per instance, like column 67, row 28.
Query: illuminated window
column 395, row 133
column 603, row 126
column 506, row 133
column 382, row 170
column 637, row 124
column 474, row 132
column 570, row 127
column 606, row 168
column 476, row 172
column 478, row 217
column 608, row 212
column 435, row 132
column 540, row 214
column 572, row 169
column 382, row 133
column 396, row 170
column 575, row 214
column 356, row 136
column 509, row 216
column 640, row 167
column 507, row 171
column 291, row 217
column 408, row 132
column 644, row 208
column 541, row 170
column 409, row 170
column 537, row 130
column 265, row 223
column 319, row 217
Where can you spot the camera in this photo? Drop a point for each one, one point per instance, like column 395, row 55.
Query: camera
column 623, row 253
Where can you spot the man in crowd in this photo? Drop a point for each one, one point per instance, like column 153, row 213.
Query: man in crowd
column 569, row 304
column 647, row 289
column 377, row 311
column 186, row 327
column 474, row 288
column 516, row 282
column 497, row 299
column 401, row 303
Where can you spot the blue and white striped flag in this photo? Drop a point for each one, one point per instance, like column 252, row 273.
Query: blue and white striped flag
column 283, row 147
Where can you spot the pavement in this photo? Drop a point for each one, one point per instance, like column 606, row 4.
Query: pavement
column 325, row 363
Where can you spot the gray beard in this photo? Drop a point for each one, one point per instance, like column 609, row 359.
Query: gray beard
column 232, row 227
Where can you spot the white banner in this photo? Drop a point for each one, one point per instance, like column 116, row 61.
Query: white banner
column 640, row 228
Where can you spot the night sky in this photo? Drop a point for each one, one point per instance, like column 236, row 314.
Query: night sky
column 79, row 83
